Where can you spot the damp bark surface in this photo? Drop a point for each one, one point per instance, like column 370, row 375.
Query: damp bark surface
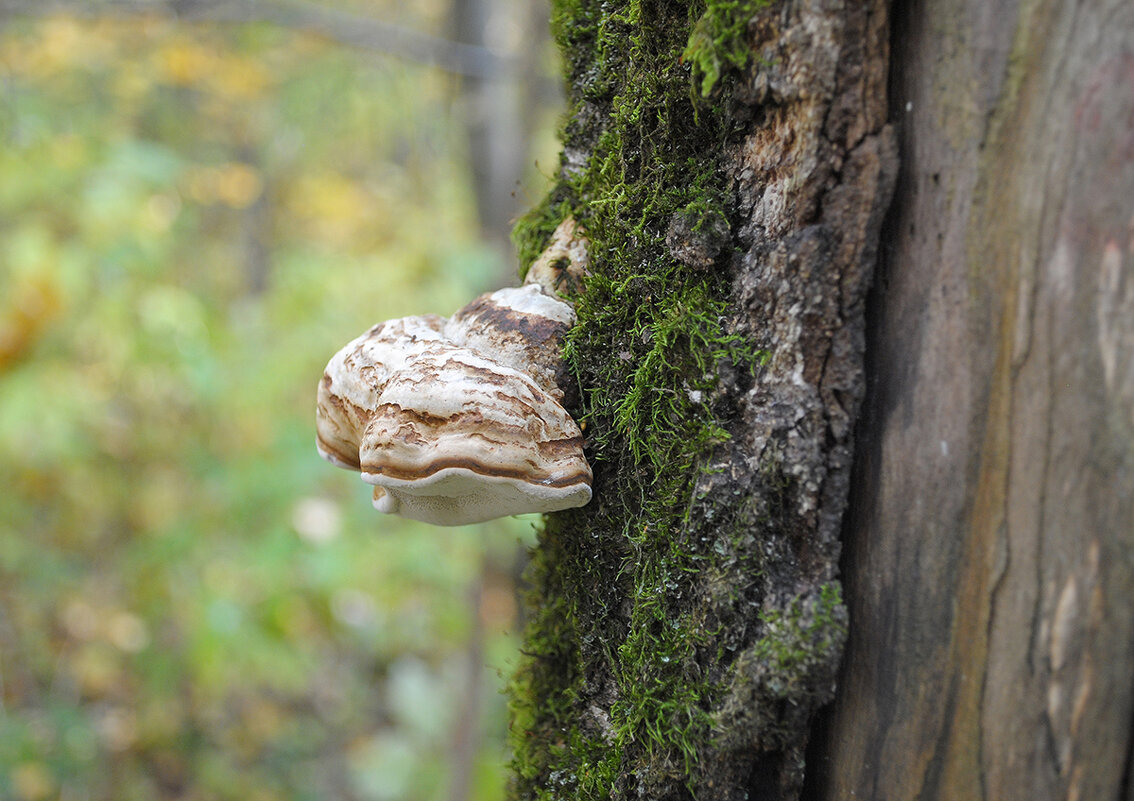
column 730, row 164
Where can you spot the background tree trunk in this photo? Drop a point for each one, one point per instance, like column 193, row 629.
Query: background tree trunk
column 989, row 552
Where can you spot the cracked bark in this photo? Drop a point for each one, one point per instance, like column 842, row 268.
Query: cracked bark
column 988, row 549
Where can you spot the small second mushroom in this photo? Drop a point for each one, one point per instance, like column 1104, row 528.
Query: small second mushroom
column 462, row 420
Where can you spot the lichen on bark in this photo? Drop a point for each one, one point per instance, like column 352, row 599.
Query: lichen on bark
column 686, row 624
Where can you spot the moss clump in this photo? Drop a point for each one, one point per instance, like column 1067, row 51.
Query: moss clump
column 533, row 231
column 637, row 153
column 789, row 671
column 624, row 671
column 718, row 44
column 804, row 633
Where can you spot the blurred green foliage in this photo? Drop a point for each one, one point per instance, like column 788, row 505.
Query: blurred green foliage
column 192, row 604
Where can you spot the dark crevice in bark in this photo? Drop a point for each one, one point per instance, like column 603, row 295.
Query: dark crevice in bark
column 820, row 783
column 1126, row 787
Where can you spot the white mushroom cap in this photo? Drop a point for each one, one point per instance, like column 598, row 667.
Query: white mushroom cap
column 483, row 440
column 348, row 393
column 461, row 421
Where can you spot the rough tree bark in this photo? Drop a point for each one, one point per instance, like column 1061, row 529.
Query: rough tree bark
column 731, row 165
column 686, row 630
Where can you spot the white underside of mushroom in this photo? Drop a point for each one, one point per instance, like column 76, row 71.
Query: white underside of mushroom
column 456, row 493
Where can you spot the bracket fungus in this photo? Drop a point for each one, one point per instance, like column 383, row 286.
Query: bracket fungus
column 462, row 420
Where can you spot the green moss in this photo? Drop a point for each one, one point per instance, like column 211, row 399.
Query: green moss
column 790, row 667
column 718, row 43
column 613, row 698
column 804, row 632
column 533, row 231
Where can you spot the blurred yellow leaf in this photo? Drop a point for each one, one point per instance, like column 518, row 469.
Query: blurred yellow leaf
column 31, row 305
column 62, row 43
column 238, row 185
column 235, row 184
column 58, row 44
column 240, row 78
column 96, row 669
column 184, row 63
column 132, row 81
column 334, row 207
column 31, row 781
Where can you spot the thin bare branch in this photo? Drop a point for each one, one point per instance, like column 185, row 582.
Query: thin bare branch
column 365, row 33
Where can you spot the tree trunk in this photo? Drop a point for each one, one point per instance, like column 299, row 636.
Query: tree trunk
column 731, row 166
column 989, row 553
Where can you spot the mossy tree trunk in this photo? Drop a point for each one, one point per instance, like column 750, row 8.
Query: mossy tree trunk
column 989, row 552
column 730, row 164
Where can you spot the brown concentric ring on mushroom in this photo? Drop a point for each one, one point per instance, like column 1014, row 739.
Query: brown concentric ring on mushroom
column 461, row 421
column 483, row 441
column 520, row 327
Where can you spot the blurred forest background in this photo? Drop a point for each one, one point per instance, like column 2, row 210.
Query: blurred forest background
column 199, row 203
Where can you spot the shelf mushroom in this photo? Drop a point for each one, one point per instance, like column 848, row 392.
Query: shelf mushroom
column 462, row 420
